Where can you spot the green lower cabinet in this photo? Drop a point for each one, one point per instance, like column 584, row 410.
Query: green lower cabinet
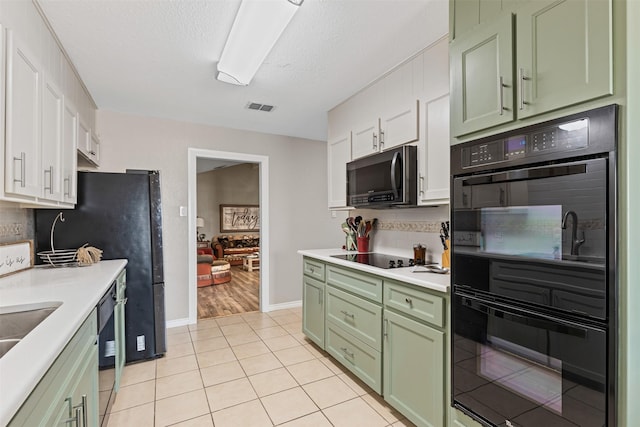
column 313, row 310
column 414, row 370
column 361, row 359
column 67, row 395
column 458, row 419
column 119, row 325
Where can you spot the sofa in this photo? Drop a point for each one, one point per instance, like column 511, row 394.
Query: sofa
column 211, row 271
column 233, row 248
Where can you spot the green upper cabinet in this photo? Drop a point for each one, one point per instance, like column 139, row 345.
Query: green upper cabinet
column 482, row 77
column 560, row 64
column 500, row 74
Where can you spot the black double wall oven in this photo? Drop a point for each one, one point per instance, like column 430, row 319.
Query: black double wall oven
column 534, row 274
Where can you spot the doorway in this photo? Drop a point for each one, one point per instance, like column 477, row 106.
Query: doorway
column 208, row 160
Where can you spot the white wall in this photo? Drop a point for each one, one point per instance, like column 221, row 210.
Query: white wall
column 299, row 218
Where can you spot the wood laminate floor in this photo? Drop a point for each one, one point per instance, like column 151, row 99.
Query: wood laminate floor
column 240, row 295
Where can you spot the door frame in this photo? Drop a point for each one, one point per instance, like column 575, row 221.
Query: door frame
column 263, row 162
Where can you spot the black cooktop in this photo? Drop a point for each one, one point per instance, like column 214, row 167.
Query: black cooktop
column 377, row 260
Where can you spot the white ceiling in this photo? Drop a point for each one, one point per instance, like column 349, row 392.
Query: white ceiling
column 158, row 57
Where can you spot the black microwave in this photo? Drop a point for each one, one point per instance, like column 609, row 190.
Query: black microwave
column 383, row 180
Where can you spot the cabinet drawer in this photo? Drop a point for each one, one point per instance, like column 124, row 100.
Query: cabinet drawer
column 360, row 284
column 313, row 268
column 421, row 305
column 360, row 318
column 359, row 358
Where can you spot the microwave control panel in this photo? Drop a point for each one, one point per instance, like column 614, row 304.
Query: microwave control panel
column 562, row 137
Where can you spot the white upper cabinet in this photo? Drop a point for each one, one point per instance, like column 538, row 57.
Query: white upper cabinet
column 399, row 109
column 434, row 154
column 51, row 148
column 409, row 105
column 41, row 101
column 338, row 155
column 387, row 113
column 23, row 120
column 88, row 144
column 69, row 151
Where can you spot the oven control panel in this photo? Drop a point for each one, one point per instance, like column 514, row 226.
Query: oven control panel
column 565, row 136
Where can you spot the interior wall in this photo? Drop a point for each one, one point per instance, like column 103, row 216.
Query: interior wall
column 397, row 230
column 299, row 218
column 16, row 223
column 238, row 184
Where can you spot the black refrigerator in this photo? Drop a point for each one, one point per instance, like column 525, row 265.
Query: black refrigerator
column 119, row 213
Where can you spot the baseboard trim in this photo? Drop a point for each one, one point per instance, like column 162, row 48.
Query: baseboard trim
column 178, row 322
column 283, row 305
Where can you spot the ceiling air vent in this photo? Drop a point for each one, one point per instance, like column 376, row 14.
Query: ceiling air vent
column 260, row 107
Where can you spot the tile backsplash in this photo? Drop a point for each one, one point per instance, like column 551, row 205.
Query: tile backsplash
column 399, row 229
column 15, row 223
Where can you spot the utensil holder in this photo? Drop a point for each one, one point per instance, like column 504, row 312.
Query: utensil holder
column 446, row 262
column 363, row 244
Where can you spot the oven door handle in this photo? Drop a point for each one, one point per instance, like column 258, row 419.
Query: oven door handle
column 527, row 174
column 533, row 320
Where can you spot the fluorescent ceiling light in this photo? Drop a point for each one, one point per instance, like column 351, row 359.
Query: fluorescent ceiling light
column 257, row 27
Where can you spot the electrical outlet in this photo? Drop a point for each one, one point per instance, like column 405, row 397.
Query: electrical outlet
column 140, row 342
column 109, row 348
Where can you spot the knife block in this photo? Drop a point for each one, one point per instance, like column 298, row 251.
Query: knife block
column 446, row 263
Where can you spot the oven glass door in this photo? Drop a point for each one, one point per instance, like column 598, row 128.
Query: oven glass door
column 536, row 235
column 515, row 368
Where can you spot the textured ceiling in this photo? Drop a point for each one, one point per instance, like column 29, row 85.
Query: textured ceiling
column 158, row 57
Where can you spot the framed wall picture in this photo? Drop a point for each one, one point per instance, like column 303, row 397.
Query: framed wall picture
column 15, row 257
column 239, row 218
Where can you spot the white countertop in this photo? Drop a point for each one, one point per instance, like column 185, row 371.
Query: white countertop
column 433, row 281
column 78, row 290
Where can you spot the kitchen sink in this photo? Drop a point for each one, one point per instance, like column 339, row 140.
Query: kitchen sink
column 17, row 321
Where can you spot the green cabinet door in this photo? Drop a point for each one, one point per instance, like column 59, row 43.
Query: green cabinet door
column 414, row 370
column 564, row 54
column 482, row 77
column 119, row 323
column 313, row 310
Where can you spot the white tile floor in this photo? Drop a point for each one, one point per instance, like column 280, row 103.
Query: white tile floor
column 247, row 370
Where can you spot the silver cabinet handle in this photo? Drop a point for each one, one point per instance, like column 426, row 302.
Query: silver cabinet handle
column 381, row 138
column 347, row 352
column 50, row 172
column 76, row 417
column 85, row 410
column 375, row 141
column 347, row 314
column 522, row 78
column 408, row 301
column 311, row 270
column 22, row 159
column 386, row 328
column 67, row 186
column 500, row 93
column 421, row 184
column 320, row 298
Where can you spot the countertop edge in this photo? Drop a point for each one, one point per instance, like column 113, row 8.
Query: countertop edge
column 432, row 281
column 79, row 294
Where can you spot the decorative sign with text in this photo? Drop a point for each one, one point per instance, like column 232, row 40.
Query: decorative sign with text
column 243, row 218
column 16, row 257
